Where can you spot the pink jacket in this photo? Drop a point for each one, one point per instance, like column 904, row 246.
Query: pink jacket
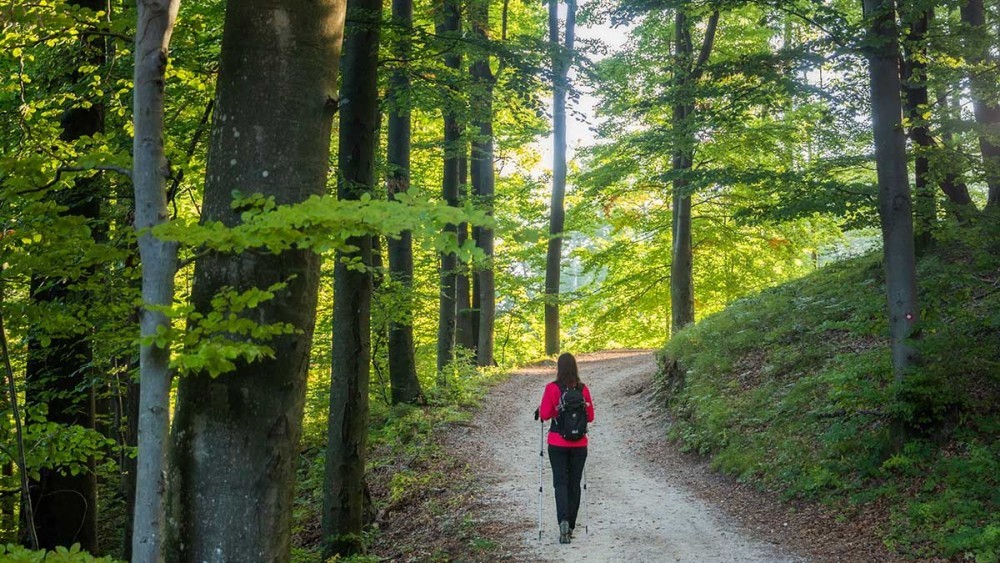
column 547, row 411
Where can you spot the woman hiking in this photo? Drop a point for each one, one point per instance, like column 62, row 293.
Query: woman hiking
column 567, row 403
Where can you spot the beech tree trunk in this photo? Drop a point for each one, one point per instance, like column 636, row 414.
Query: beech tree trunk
column 402, row 362
column 347, row 428
column 687, row 71
column 951, row 183
column 65, row 506
column 553, row 259
column 981, row 88
column 917, row 104
column 159, row 264
column 483, row 181
column 681, row 274
column 450, row 25
column 234, row 450
column 894, row 189
column 464, row 332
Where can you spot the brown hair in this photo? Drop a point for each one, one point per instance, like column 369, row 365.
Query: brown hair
column 566, row 372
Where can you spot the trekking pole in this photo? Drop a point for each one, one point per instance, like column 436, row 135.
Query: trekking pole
column 586, row 513
column 541, row 456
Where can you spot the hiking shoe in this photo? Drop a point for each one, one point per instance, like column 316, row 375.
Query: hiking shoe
column 564, row 534
column 571, row 530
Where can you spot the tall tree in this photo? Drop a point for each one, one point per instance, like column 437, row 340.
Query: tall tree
column 562, row 55
column 465, row 335
column 235, row 437
column 916, row 16
column 402, row 363
column 895, row 209
column 59, row 375
column 159, row 264
column 983, row 91
column 687, row 71
column 450, row 26
column 347, row 428
column 483, row 179
column 952, row 184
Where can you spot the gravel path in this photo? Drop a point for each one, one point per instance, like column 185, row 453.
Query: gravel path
column 634, row 511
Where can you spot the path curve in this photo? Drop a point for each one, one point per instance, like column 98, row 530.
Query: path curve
column 633, row 511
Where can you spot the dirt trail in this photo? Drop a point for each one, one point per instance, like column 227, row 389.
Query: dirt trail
column 634, row 512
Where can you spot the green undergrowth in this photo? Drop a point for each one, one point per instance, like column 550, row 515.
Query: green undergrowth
column 411, row 479
column 792, row 389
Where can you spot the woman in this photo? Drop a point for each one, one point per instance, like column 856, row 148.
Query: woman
column 567, row 456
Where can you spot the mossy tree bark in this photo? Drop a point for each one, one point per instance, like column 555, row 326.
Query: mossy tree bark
column 234, row 449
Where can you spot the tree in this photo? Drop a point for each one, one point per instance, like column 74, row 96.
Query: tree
column 882, row 50
column 159, row 264
column 687, row 71
column 235, row 437
column 987, row 113
column 402, row 363
column 914, row 80
column 59, row 375
column 465, row 334
column 483, row 180
column 553, row 263
column 347, row 428
column 450, row 27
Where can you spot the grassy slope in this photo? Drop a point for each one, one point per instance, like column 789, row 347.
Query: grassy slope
column 791, row 389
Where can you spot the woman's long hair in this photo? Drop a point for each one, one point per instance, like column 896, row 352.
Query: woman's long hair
column 566, row 373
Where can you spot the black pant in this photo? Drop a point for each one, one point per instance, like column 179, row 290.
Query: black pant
column 567, row 470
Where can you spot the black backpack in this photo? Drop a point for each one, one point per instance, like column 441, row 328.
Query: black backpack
column 571, row 414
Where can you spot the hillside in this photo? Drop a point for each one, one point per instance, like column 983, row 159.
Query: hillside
column 791, row 389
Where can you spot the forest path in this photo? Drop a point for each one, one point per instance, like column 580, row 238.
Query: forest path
column 634, row 511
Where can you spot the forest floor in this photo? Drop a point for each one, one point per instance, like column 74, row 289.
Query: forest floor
column 645, row 500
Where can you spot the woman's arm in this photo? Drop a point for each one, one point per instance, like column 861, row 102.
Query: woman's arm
column 550, row 399
column 590, row 403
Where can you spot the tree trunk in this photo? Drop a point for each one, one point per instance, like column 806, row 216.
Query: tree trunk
column 951, row 182
column 915, row 91
column 402, row 363
column 464, row 333
column 483, row 180
column 60, row 375
column 894, row 192
column 347, row 428
column 681, row 275
column 688, row 72
column 159, row 264
column 450, row 26
column 987, row 114
column 234, row 451
column 553, row 259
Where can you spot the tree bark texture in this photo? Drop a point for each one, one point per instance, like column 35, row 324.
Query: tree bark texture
column 894, row 193
column 155, row 22
column 553, row 260
column 65, row 506
column 450, row 25
column 982, row 89
column 917, row 104
column 347, row 426
column 402, row 362
column 234, row 451
column 483, row 180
